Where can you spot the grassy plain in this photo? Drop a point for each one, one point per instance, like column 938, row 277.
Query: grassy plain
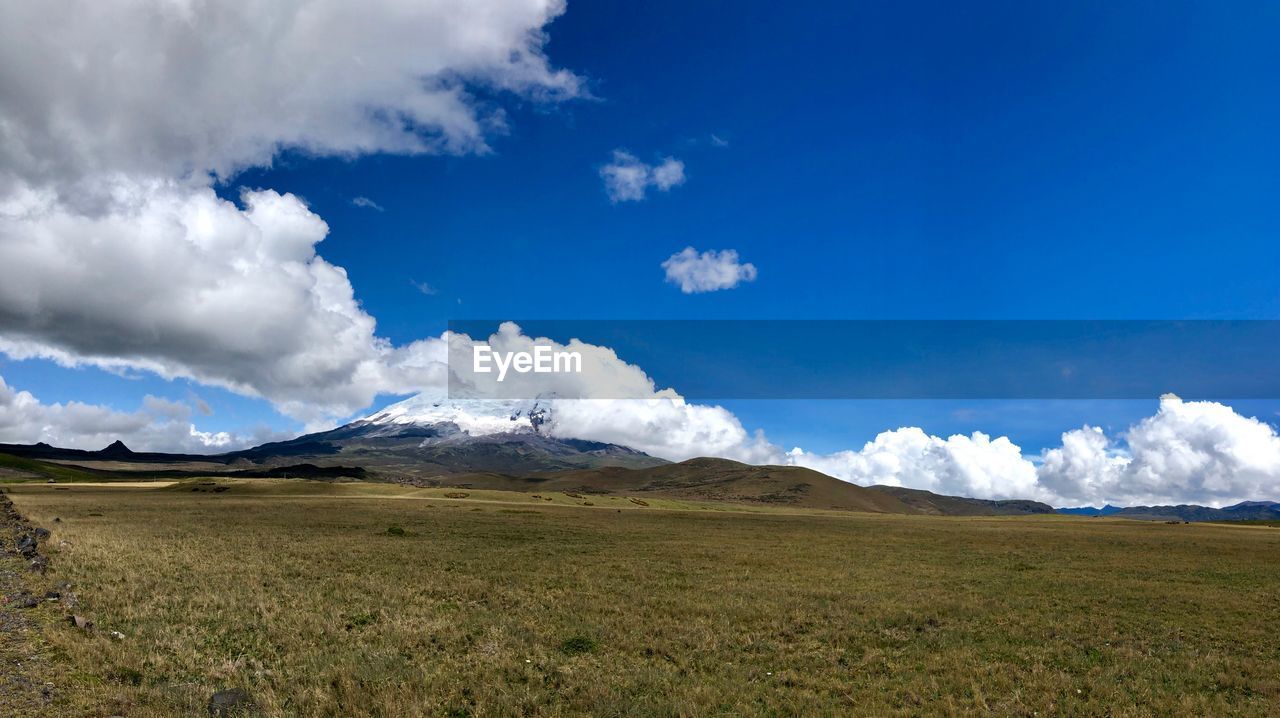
column 350, row 600
column 16, row 468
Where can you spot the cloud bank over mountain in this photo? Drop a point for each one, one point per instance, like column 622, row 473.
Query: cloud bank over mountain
column 1202, row 452
column 1187, row 452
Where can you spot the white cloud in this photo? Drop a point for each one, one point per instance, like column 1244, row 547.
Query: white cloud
column 1084, row 469
column 1188, row 452
column 366, row 203
column 113, row 115
column 603, row 374
column 159, row 425
column 668, row 174
column 627, row 179
column 171, row 89
column 177, row 281
column 696, row 272
column 665, row 425
column 976, row 465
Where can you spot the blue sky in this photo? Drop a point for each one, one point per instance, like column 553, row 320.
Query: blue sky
column 929, row 163
column 886, row 160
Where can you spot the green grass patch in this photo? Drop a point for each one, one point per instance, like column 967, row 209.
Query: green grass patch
column 577, row 645
column 47, row 470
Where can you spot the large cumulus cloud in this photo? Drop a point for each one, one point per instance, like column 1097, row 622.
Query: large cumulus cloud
column 975, row 465
column 1188, row 452
column 171, row 88
column 183, row 283
column 116, row 117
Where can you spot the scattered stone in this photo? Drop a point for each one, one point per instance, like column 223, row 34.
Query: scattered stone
column 57, row 520
column 40, row 564
column 81, row 622
column 116, row 636
column 26, row 545
column 229, row 702
column 42, row 534
column 25, row 600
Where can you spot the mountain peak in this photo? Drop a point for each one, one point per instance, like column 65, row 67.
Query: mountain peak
column 476, row 417
column 117, row 448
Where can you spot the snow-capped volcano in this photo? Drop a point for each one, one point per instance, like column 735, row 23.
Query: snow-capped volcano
column 474, row 417
column 429, row 435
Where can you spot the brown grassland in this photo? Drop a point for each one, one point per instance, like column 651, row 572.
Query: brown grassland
column 352, row 600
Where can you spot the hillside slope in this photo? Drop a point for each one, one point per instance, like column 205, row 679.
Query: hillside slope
column 701, row 479
column 927, row 502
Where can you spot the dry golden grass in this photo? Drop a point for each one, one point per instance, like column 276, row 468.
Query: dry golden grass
column 299, row 593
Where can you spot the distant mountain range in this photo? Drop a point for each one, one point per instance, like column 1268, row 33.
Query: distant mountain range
column 1092, row 510
column 504, row 445
column 1243, row 511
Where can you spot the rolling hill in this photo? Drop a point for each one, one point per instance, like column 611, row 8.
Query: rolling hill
column 927, row 502
column 702, row 479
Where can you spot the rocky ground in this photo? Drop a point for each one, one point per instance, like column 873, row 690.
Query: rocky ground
column 23, row 690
